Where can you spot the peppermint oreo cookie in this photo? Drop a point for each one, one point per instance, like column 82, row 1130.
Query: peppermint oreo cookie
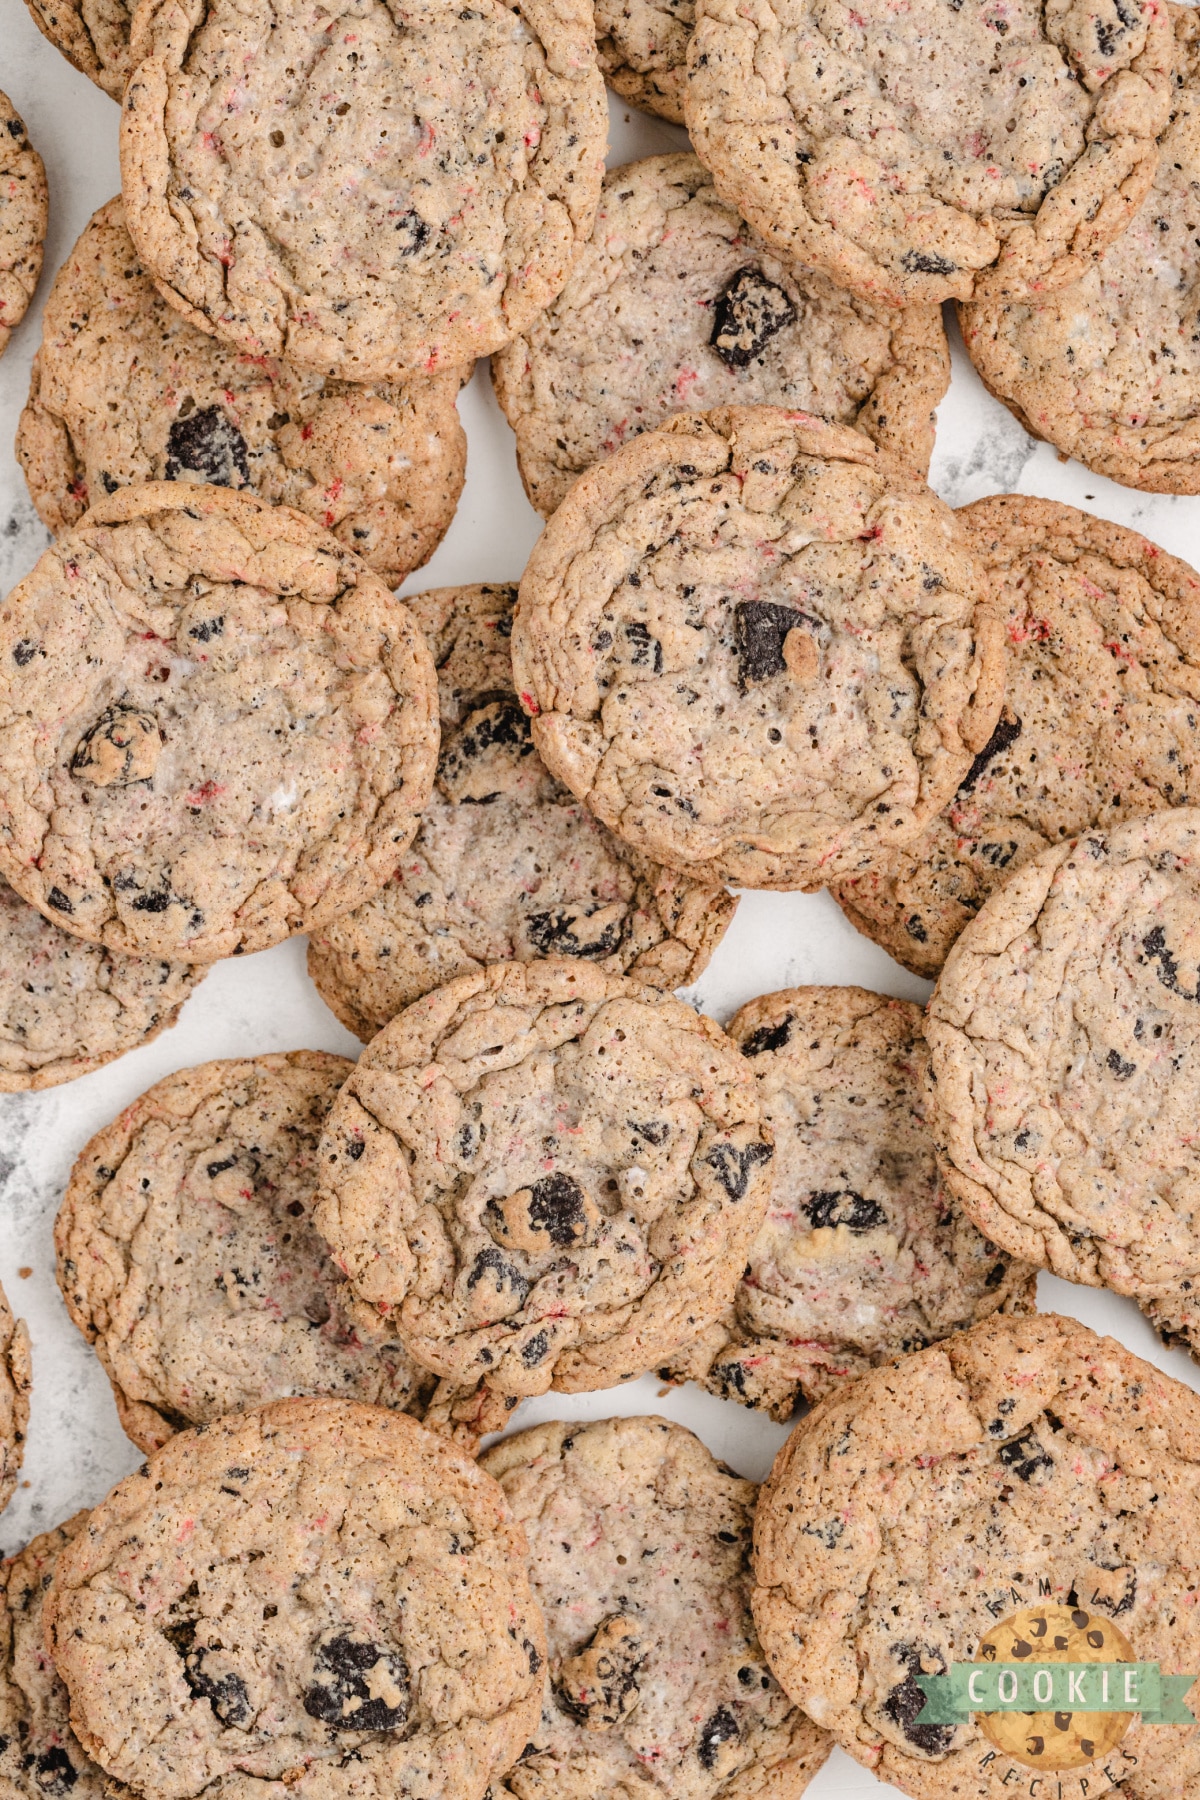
column 24, row 204
column 16, row 1380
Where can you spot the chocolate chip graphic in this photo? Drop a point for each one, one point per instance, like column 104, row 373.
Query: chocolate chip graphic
column 760, row 629
column 1096, row 1639
column 1035, row 1745
column 1021, row 1649
column 842, row 1206
column 1079, row 1619
column 733, row 1167
column 360, row 1686
column 768, row 1037
column 207, row 443
column 747, row 316
column 1062, row 1721
column 1087, row 1746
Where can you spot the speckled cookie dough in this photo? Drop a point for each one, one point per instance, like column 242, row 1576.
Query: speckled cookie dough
column 507, row 864
column 188, row 1258
column 676, row 305
column 315, row 1598
column 759, row 651
column 642, row 49
column 40, row 1758
column 217, row 726
column 936, row 152
column 1108, row 369
column 1026, row 1461
column 16, row 1379
column 92, row 34
column 1098, row 724
column 124, row 389
column 544, row 1175
column 639, row 1555
column 861, row 1254
column 1065, row 1044
column 67, row 1007
column 366, row 191
column 24, row 203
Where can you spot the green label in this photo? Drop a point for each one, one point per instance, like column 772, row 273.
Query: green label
column 1026, row 1687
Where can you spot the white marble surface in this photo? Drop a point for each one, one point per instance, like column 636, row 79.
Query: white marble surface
column 76, row 1447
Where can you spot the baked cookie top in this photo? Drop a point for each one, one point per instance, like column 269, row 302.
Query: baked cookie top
column 1026, row 1462
column 242, row 728
column 124, row 390
column 95, row 38
column 676, row 305
column 1103, row 632
column 16, row 1379
column 639, row 1556
column 67, row 1007
column 367, row 192
column 1108, row 369
column 188, row 1258
column 316, row 1595
column 41, row 1756
column 861, row 1254
column 507, row 864
column 1007, row 154
column 544, row 1175
column 24, row 203
column 758, row 650
column 642, row 49
column 1065, row 1041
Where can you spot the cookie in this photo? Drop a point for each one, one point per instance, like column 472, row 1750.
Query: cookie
column 317, row 1597
column 402, row 196
column 861, row 1254
column 68, row 1007
column 1097, row 723
column 95, row 38
column 641, row 46
column 24, row 203
column 16, row 1379
column 1005, row 157
column 756, row 649
column 639, row 1555
column 41, row 1756
column 544, row 1175
column 1107, row 369
column 124, row 390
column 1065, row 1045
column 507, row 864
column 675, row 305
column 1026, row 1464
column 242, row 725
column 188, row 1258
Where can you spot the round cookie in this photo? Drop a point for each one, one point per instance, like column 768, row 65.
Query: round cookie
column 1065, row 1046
column 41, row 1758
column 402, row 196
column 16, row 1380
column 242, row 725
column 861, row 1254
column 507, row 864
column 316, row 1598
column 1005, row 155
column 94, row 37
column 1097, row 724
column 1027, row 1463
column 124, row 390
column 639, row 1556
column 756, row 649
column 188, row 1258
column 675, row 305
column 24, row 204
column 68, row 1007
column 1108, row 369
column 544, row 1175
column 641, row 46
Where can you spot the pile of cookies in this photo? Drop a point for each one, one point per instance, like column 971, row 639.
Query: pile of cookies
column 751, row 648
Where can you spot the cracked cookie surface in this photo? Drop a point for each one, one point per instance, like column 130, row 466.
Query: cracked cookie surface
column 506, row 863
column 1098, row 724
column 243, row 725
column 93, row 35
column 937, row 153
column 639, row 1556
column 315, row 1597
column 861, row 1254
column 642, row 50
column 1064, row 1039
column 675, row 305
column 1025, row 1461
column 24, row 206
column 125, row 389
column 364, row 190
column 758, row 650
column 544, row 1175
